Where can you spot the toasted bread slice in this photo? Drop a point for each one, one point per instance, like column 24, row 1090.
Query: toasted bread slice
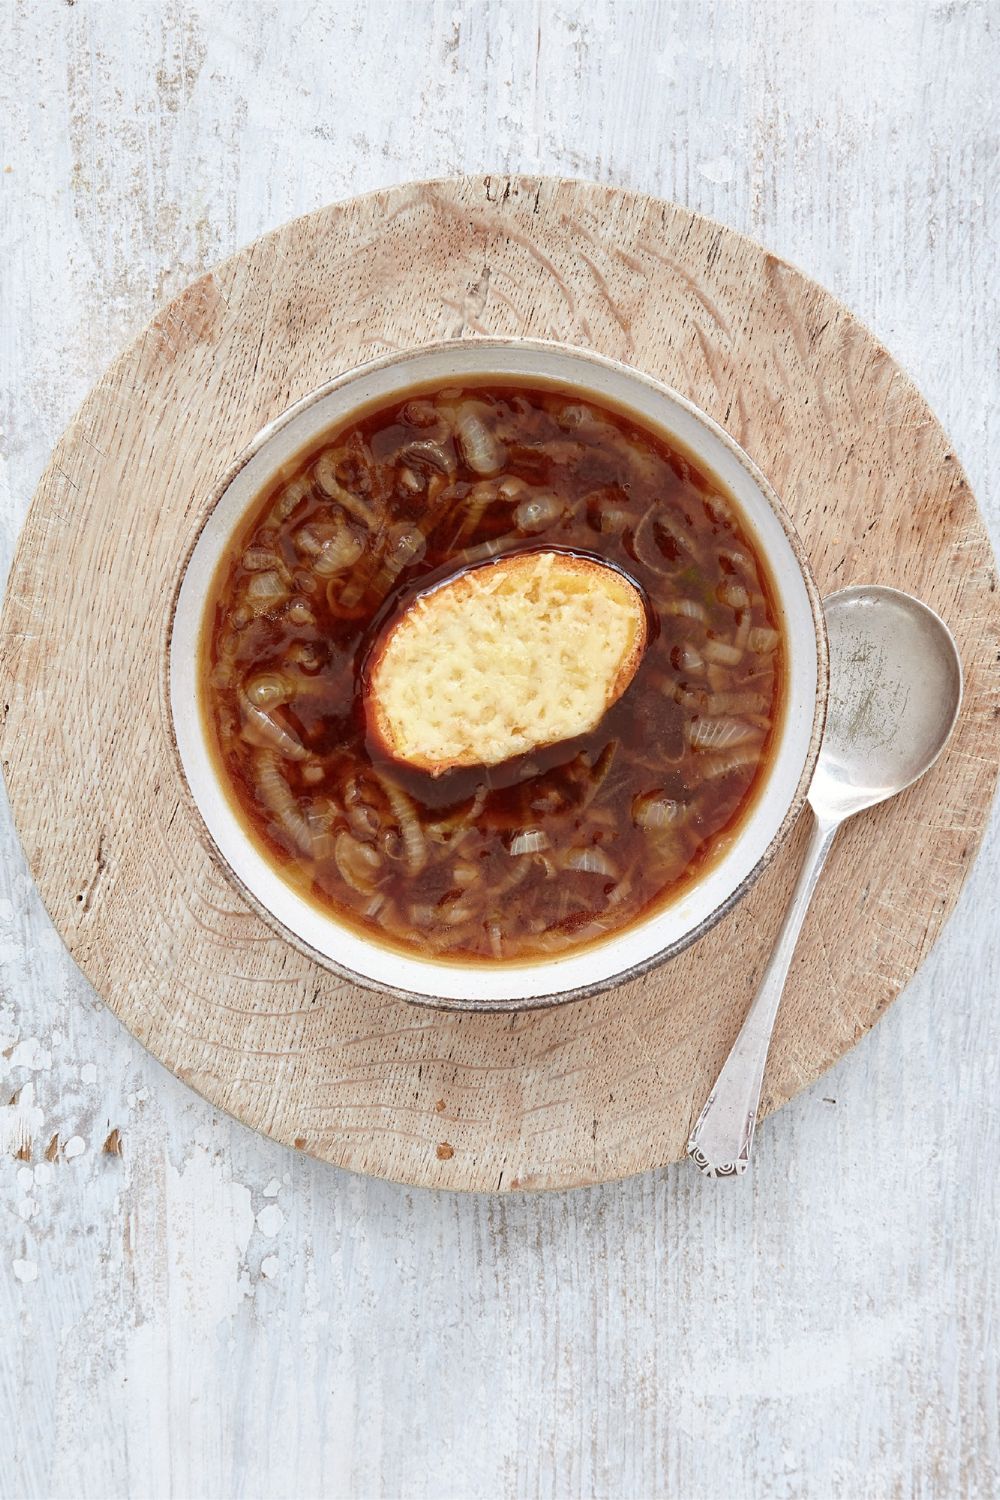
column 503, row 659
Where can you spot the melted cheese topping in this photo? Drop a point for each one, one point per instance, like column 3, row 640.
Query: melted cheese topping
column 505, row 658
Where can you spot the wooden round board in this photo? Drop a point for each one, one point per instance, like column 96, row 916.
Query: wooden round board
column 589, row 1091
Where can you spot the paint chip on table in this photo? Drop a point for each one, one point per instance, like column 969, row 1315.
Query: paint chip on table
column 270, row 1220
column 25, row 1270
column 29, row 1053
column 720, row 170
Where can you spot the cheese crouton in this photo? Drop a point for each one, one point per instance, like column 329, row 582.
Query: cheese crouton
column 505, row 658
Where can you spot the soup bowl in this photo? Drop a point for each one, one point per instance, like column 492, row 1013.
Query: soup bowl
column 622, row 955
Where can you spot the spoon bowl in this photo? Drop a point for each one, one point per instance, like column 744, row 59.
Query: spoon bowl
column 895, row 692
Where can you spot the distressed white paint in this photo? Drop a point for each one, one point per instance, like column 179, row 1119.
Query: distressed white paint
column 208, row 1315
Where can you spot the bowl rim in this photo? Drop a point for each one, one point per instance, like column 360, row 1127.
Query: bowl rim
column 643, row 966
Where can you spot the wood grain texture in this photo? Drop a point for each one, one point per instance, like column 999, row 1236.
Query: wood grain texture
column 210, row 1315
column 605, row 1087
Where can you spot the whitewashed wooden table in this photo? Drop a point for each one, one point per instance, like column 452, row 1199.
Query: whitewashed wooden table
column 207, row 1315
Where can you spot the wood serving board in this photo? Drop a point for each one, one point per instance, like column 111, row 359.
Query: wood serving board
column 593, row 1090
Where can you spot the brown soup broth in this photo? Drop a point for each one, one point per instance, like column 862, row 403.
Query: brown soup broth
column 549, row 851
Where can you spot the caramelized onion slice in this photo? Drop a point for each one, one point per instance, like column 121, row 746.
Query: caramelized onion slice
column 762, row 640
column 721, row 733
column 405, row 814
column 655, row 810
column 261, row 728
column 528, row 841
column 276, row 795
column 592, row 861
column 538, row 513
column 483, row 453
column 740, row 756
column 359, row 864
column 268, row 689
column 330, row 548
column 722, row 652
column 690, row 609
column 735, row 703
column 426, row 453
column 265, row 592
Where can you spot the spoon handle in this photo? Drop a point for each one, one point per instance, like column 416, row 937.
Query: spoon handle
column 721, row 1141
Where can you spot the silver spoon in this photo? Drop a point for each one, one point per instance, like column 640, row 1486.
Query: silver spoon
column 895, row 691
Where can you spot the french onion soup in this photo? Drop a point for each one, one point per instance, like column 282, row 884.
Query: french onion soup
column 492, row 673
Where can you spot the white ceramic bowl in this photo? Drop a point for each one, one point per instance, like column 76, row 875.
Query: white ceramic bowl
column 622, row 956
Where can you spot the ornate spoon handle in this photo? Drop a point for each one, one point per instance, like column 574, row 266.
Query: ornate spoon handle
column 721, row 1141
